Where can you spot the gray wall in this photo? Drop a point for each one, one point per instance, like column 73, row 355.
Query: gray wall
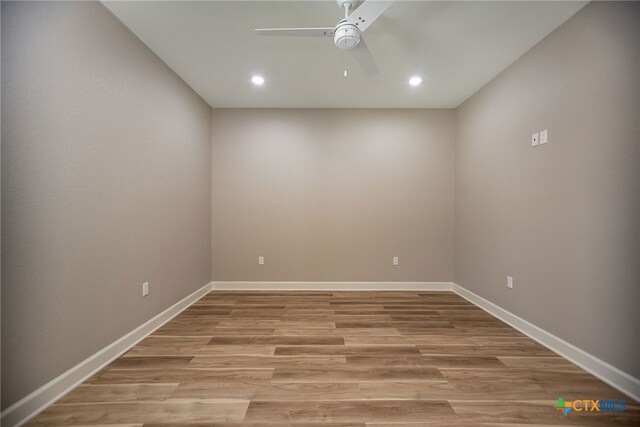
column 332, row 195
column 561, row 218
column 105, row 184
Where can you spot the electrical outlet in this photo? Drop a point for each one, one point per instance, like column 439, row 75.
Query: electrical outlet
column 261, row 260
column 396, row 260
column 145, row 289
column 543, row 137
column 534, row 139
column 509, row 282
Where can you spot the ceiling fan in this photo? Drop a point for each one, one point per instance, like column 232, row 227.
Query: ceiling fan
column 347, row 33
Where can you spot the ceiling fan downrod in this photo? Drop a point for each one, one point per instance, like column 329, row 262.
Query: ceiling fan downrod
column 346, row 35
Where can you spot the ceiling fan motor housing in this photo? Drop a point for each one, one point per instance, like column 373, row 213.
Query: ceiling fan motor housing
column 346, row 36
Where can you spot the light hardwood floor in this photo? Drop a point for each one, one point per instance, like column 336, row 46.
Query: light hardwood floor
column 360, row 359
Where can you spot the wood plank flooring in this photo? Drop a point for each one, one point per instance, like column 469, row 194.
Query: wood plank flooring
column 335, row 359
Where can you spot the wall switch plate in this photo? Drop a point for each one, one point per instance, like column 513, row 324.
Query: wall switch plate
column 261, row 260
column 396, row 260
column 534, row 139
column 145, row 289
column 509, row 282
column 543, row 137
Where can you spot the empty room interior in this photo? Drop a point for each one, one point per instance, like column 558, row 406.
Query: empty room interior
column 335, row 213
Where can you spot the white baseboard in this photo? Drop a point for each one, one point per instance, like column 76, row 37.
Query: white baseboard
column 29, row 406
column 332, row 286
column 611, row 375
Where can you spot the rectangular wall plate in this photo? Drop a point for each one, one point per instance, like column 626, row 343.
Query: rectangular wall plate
column 534, row 139
column 145, row 289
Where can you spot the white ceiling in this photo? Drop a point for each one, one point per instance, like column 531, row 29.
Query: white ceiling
column 457, row 47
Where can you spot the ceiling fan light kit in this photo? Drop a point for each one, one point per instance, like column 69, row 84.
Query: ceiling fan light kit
column 347, row 34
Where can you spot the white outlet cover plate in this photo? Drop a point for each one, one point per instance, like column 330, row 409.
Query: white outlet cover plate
column 534, row 139
column 543, row 137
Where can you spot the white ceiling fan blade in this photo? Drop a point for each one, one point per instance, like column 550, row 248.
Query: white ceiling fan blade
column 296, row 32
column 368, row 12
column 365, row 59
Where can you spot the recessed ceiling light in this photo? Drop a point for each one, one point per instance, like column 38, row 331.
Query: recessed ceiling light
column 257, row 80
column 415, row 80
